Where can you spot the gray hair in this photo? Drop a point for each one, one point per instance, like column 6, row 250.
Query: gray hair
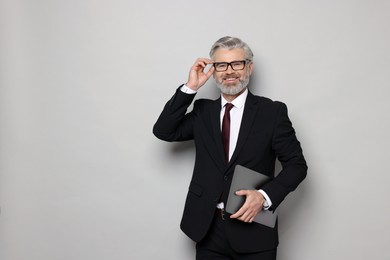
column 229, row 43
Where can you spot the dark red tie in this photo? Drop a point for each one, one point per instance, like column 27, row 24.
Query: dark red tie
column 226, row 130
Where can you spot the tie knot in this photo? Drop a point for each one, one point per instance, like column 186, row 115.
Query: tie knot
column 228, row 106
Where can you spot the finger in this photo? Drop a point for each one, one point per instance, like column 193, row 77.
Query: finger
column 245, row 218
column 236, row 215
column 199, row 66
column 240, row 212
column 203, row 62
column 210, row 72
column 250, row 217
column 206, row 60
column 241, row 193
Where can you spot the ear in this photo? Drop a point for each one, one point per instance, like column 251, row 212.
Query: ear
column 250, row 68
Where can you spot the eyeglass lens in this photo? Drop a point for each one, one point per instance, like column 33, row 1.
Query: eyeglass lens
column 235, row 65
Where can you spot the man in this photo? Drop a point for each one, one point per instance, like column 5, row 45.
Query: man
column 259, row 131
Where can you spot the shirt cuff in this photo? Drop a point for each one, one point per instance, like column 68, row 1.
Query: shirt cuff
column 267, row 203
column 187, row 90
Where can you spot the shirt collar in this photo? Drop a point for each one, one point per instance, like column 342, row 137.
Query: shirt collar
column 238, row 102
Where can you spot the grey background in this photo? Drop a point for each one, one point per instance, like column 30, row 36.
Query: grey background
column 82, row 83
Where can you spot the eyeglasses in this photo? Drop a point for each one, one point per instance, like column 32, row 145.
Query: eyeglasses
column 235, row 65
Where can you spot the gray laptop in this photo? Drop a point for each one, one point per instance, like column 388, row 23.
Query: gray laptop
column 247, row 179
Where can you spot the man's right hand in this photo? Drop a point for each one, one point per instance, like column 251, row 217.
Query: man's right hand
column 198, row 77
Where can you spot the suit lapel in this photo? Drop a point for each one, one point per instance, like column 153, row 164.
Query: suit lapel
column 217, row 154
column 248, row 118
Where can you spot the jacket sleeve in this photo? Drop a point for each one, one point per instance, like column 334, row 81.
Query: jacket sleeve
column 174, row 123
column 289, row 152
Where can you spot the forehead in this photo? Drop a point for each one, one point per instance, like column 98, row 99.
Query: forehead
column 226, row 55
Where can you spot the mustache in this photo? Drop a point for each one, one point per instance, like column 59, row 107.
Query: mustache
column 229, row 75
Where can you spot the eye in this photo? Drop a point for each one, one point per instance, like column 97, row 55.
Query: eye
column 221, row 65
column 238, row 63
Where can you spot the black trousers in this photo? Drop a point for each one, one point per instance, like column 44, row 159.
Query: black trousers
column 216, row 246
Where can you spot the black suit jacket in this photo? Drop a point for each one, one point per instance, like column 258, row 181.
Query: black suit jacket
column 266, row 133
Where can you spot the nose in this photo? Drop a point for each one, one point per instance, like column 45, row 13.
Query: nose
column 229, row 69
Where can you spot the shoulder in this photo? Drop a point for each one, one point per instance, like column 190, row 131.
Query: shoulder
column 204, row 103
column 265, row 102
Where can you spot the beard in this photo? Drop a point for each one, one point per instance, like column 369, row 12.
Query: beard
column 232, row 90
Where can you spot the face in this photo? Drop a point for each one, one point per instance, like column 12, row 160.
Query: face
column 232, row 82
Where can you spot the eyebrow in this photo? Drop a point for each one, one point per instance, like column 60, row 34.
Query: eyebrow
column 230, row 61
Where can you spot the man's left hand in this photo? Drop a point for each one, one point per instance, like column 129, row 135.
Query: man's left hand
column 253, row 205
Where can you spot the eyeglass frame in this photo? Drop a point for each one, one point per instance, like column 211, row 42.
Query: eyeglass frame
column 245, row 62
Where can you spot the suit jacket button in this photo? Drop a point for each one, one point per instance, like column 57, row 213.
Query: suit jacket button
column 225, row 177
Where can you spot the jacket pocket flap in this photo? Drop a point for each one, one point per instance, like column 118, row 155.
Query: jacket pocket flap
column 196, row 189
